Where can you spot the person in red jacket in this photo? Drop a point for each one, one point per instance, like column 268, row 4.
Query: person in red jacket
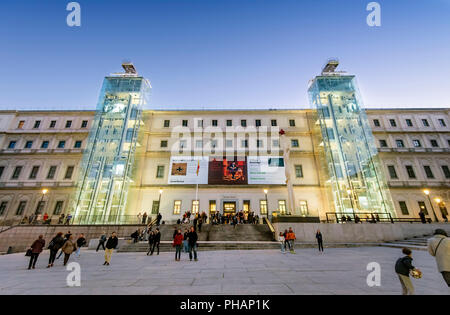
column 36, row 248
column 177, row 242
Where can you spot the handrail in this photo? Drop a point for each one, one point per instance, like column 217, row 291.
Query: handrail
column 366, row 217
column 271, row 228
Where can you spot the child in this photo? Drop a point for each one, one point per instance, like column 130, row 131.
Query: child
column 281, row 239
column 403, row 266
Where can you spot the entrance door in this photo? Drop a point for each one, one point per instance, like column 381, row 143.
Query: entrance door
column 229, row 207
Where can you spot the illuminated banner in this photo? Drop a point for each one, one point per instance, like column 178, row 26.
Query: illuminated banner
column 227, row 172
column 266, row 170
column 188, row 170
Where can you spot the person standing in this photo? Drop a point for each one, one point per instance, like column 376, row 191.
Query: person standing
column 291, row 240
column 185, row 241
column 177, row 242
column 281, row 239
column 66, row 237
column 81, row 241
column 101, row 241
column 156, row 241
column 195, row 221
column 158, row 219
column 403, row 266
column 319, row 240
column 439, row 248
column 68, row 218
column 192, row 240
column 36, row 248
column 200, row 222
column 111, row 244
column 144, row 218
column 151, row 239
column 55, row 244
column 68, row 248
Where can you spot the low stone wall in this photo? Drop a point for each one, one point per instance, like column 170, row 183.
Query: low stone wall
column 21, row 237
column 359, row 233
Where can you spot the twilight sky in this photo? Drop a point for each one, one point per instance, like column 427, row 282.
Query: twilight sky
column 223, row 53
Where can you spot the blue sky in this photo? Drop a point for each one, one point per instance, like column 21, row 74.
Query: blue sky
column 223, row 53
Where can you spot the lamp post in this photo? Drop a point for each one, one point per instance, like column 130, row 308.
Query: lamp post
column 159, row 201
column 427, row 192
column 44, row 192
column 267, row 203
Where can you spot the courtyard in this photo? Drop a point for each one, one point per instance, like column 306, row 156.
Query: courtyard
column 337, row 271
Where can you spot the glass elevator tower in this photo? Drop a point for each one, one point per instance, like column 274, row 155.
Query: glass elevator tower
column 356, row 183
column 107, row 164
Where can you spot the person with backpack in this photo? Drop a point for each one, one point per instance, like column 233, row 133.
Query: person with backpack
column 55, row 244
column 36, row 248
column 81, row 241
column 439, row 248
column 101, row 241
column 177, row 242
column 403, row 267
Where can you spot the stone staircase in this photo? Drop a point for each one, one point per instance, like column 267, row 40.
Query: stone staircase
column 416, row 243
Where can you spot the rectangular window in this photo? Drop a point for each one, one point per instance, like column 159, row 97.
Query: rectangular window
column 44, row 145
column 184, row 123
column 244, row 143
column 303, row 208
column 393, row 122
column 376, row 123
column 417, row 143
column 400, row 143
column 166, row 123
column 16, row 172
column 292, row 122
column 61, row 144
column 403, row 207
column 3, row 206
column 199, row 144
column 155, row 207
column 243, row 123
column 21, row 208
column 298, row 171
column 425, row 123
column 84, row 124
column 446, row 171
column 51, row 172
column 28, row 144
column 2, row 169
column 200, row 123
column 34, row 172
column 442, row 123
column 52, row 124
column 37, row 123
column 40, row 207
column 214, row 122
column 263, row 206
column 410, row 171
column 177, row 207
column 20, row 125
column 69, row 172
column 160, row 171
column 392, row 172
column 259, row 143
column 212, row 206
column 195, row 206
column 68, row 124
column 423, row 207
column 213, row 143
column 258, row 122
column 273, row 122
column 383, row 143
column 294, row 143
column 77, row 144
column 58, row 207
column 275, row 143
column 182, row 144
column 282, row 206
column 229, row 123
column 428, row 171
column 409, row 122
column 12, row 144
column 163, row 144
column 229, row 143
column 434, row 143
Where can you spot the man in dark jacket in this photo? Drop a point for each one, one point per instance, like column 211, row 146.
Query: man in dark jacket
column 36, row 248
column 192, row 241
column 110, row 245
column 403, row 266
column 158, row 219
column 55, row 244
column 156, row 241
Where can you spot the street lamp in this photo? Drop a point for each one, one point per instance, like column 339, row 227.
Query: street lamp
column 267, row 203
column 427, row 192
column 159, row 201
column 44, row 192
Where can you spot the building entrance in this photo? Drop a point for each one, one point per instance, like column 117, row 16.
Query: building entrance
column 229, row 207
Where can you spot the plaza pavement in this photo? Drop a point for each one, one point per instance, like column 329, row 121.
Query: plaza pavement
column 338, row 271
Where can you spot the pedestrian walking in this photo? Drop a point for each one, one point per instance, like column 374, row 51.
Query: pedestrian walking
column 192, row 240
column 282, row 240
column 111, row 244
column 101, row 241
column 36, row 248
column 439, row 248
column 156, row 241
column 55, row 244
column 319, row 240
column 68, row 248
column 66, row 237
column 81, row 241
column 291, row 239
column 403, row 267
column 177, row 242
column 151, row 238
